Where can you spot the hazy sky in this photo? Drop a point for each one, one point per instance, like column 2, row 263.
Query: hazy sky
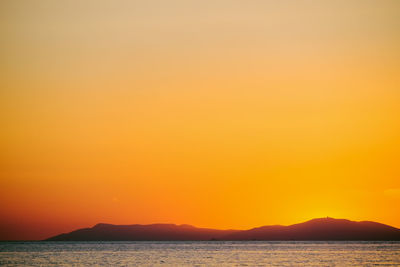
column 226, row 114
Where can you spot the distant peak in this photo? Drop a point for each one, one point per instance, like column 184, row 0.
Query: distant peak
column 186, row 226
column 328, row 219
column 101, row 225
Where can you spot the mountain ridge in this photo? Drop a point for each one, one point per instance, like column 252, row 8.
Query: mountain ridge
column 318, row 229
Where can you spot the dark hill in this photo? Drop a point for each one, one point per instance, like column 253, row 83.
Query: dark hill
column 321, row 229
column 316, row 229
column 137, row 232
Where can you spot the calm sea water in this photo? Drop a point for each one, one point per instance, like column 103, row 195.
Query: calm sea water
column 200, row 253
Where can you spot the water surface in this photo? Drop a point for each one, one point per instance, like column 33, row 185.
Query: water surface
column 255, row 253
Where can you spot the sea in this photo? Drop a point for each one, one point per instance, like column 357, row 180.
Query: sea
column 212, row 253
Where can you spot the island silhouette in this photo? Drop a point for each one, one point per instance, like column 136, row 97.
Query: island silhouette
column 321, row 229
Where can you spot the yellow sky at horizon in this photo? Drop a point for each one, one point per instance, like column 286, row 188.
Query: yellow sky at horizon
column 225, row 114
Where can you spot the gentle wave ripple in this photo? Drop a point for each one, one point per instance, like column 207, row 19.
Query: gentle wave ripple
column 200, row 253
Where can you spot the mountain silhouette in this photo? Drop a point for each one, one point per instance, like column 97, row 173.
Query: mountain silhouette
column 137, row 232
column 322, row 229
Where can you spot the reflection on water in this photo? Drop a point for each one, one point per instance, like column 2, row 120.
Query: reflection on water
column 200, row 253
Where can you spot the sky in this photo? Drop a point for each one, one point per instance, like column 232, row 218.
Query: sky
column 222, row 114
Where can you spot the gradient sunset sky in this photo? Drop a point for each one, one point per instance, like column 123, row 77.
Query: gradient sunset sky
column 215, row 113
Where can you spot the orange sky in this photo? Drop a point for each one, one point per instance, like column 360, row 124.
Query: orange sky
column 225, row 114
